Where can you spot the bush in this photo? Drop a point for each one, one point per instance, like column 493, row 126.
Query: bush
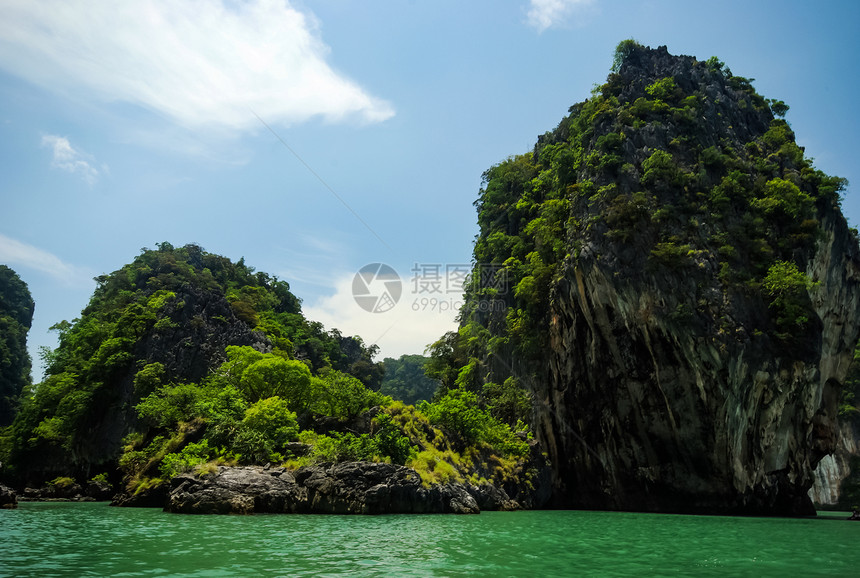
column 787, row 287
column 664, row 89
column 622, row 51
column 224, row 411
column 670, row 254
column 390, row 441
column 148, row 379
column 273, row 419
column 267, row 427
column 170, row 404
column 343, row 396
column 100, row 479
column 660, row 167
column 192, row 455
column 435, row 467
column 508, row 402
column 459, row 414
column 343, row 447
column 276, row 376
column 135, row 461
column 785, row 199
column 62, row 482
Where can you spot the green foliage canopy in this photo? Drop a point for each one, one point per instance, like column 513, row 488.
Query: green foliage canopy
column 161, row 322
column 16, row 316
column 406, row 379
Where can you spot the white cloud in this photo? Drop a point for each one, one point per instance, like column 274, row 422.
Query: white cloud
column 67, row 158
column 201, row 63
column 545, row 14
column 413, row 324
column 15, row 252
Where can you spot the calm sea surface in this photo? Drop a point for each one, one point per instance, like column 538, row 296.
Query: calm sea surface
column 92, row 539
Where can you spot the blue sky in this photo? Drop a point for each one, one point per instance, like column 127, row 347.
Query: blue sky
column 126, row 124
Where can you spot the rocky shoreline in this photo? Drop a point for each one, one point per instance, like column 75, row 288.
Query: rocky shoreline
column 8, row 498
column 331, row 488
column 93, row 492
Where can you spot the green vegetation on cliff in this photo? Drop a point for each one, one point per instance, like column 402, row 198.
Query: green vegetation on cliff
column 184, row 360
column 16, row 315
column 679, row 175
column 265, row 408
column 166, row 317
column 665, row 289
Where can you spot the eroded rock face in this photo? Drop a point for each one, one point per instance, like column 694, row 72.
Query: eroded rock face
column 646, row 417
column 641, row 414
column 345, row 488
column 833, row 469
column 668, row 385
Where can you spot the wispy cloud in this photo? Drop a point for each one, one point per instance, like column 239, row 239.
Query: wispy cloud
column 309, row 258
column 14, row 252
column 545, row 14
column 201, row 63
column 70, row 159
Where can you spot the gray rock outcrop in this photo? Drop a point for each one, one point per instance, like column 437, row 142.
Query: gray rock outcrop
column 8, row 498
column 344, row 488
column 99, row 490
column 68, row 492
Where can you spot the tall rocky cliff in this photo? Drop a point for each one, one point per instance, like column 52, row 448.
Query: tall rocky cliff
column 680, row 294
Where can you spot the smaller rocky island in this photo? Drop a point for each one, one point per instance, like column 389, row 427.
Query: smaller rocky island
column 194, row 384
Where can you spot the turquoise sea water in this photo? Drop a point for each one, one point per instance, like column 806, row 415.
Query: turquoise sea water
column 92, row 539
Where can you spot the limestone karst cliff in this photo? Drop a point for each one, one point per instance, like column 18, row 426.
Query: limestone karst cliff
column 675, row 285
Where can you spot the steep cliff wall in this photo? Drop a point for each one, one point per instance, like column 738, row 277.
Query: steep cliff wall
column 680, row 294
column 641, row 413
